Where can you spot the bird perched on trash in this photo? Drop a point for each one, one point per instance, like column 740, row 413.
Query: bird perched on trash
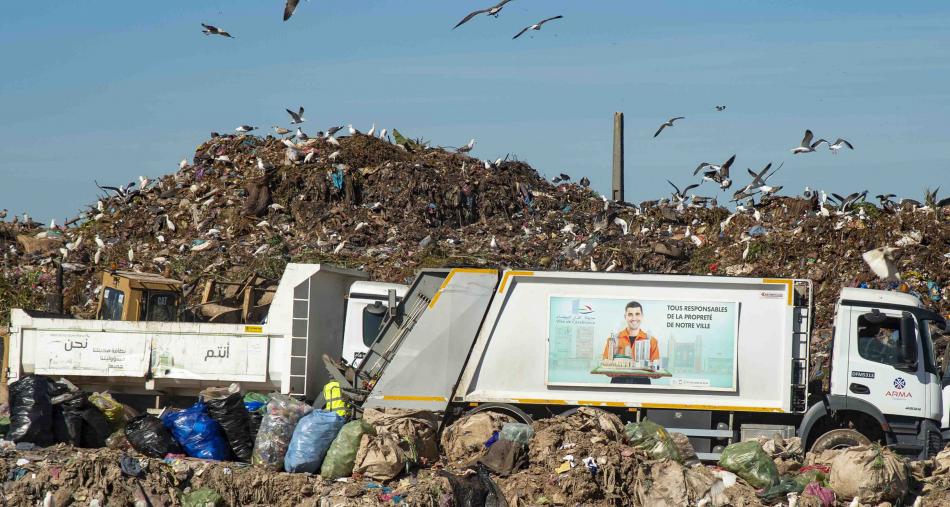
column 131, row 255
column 296, row 117
column 245, row 129
column 585, row 182
column 213, row 30
column 468, row 147
column 717, row 173
column 333, row 130
column 372, row 131
column 494, row 10
column 3, row 213
column 352, row 130
column 382, row 134
column 668, row 123
column 332, row 140
column 846, row 203
column 300, row 135
column 280, row 130
column 807, row 146
column 840, row 143
column 536, row 26
column 720, row 108
column 680, row 196
column 181, row 165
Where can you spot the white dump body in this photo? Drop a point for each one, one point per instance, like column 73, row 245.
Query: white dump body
column 728, row 343
column 284, row 354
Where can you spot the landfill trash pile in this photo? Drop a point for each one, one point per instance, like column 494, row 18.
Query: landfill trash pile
column 586, row 457
column 248, row 205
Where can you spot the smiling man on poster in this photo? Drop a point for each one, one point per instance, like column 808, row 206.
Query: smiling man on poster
column 626, row 345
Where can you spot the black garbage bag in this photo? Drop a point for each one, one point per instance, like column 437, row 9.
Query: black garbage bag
column 95, row 427
column 148, row 435
column 31, row 413
column 477, row 490
column 67, row 419
column 233, row 417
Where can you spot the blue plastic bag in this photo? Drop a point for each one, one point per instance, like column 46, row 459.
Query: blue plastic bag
column 312, row 438
column 198, row 433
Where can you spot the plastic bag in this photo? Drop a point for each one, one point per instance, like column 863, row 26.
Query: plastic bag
column 234, row 419
column 31, row 413
column 312, row 438
column 825, row 495
column 198, row 433
column 256, row 405
column 67, row 419
column 341, row 457
column 654, row 439
column 277, row 428
column 95, row 428
column 751, row 463
column 147, row 435
column 782, row 488
column 204, row 497
column 113, row 410
column 517, row 432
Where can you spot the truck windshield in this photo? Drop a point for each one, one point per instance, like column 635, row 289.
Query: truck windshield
column 112, row 302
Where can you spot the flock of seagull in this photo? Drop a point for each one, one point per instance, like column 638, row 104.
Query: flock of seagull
column 719, row 173
column 492, row 11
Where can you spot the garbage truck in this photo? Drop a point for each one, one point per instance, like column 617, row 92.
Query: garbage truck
column 720, row 359
column 128, row 355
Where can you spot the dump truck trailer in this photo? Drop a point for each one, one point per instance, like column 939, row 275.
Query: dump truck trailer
column 305, row 321
column 717, row 358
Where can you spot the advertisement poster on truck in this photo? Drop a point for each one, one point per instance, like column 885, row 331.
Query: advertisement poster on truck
column 643, row 343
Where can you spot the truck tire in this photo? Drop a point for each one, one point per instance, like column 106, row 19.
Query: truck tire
column 504, row 408
column 839, row 439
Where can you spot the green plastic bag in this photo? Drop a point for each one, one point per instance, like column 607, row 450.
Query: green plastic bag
column 654, row 439
column 113, row 410
column 751, row 463
column 517, row 432
column 341, row 457
column 204, row 497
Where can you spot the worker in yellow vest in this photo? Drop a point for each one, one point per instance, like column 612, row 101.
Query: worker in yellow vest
column 334, row 398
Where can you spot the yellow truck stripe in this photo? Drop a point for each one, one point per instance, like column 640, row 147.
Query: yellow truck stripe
column 785, row 281
column 536, row 401
column 445, row 283
column 508, row 274
column 721, row 408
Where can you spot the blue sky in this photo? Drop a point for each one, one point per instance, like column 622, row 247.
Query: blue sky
column 111, row 90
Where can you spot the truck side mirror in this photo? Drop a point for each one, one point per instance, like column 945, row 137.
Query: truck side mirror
column 909, row 338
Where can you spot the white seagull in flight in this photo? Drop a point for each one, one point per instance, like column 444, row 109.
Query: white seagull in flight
column 536, row 26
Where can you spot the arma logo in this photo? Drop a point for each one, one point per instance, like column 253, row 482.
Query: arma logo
column 584, row 310
column 899, row 392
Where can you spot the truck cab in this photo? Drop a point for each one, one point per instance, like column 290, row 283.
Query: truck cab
column 885, row 383
column 138, row 297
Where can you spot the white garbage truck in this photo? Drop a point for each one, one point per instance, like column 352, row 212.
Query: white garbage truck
column 718, row 358
column 306, row 319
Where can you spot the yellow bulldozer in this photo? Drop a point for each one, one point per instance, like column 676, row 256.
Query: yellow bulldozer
column 132, row 296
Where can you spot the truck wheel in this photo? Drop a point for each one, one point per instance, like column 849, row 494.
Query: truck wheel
column 504, row 408
column 839, row 439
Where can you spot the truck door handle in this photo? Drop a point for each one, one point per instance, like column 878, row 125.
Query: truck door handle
column 859, row 388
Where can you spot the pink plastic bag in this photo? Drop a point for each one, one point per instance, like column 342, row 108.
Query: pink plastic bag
column 826, row 495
